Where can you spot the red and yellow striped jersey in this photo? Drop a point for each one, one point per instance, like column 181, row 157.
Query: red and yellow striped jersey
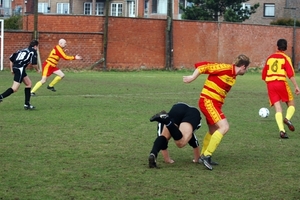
column 277, row 67
column 57, row 53
column 219, row 81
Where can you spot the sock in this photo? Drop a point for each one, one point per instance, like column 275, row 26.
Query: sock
column 27, row 95
column 174, row 131
column 213, row 144
column 36, row 87
column 279, row 121
column 290, row 112
column 205, row 143
column 160, row 143
column 55, row 80
column 5, row 94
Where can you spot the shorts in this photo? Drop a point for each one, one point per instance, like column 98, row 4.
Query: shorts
column 279, row 91
column 19, row 74
column 212, row 110
column 182, row 112
column 48, row 69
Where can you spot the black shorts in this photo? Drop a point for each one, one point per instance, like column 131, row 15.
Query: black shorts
column 182, row 112
column 19, row 74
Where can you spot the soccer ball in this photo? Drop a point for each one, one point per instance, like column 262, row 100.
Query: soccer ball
column 264, row 112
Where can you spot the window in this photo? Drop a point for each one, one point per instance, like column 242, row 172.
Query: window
column 131, row 8
column 116, row 9
column 269, row 10
column 87, row 8
column 159, row 6
column 62, row 8
column 183, row 3
column 43, row 7
column 99, row 9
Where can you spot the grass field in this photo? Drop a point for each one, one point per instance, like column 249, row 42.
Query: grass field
column 91, row 140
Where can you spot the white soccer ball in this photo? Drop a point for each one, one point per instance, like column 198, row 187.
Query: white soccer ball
column 264, row 112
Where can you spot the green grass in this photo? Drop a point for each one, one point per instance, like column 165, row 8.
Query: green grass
column 91, row 140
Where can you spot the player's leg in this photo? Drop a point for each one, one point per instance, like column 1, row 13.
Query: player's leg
column 59, row 75
column 27, row 82
column 10, row 90
column 15, row 86
column 160, row 143
column 277, row 93
column 38, row 85
column 164, row 118
column 279, row 120
column 291, row 107
column 45, row 73
column 218, row 126
column 186, row 131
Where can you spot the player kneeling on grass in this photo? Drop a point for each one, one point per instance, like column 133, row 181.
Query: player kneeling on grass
column 180, row 123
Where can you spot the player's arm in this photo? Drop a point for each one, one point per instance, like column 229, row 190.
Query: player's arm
column 190, row 78
column 34, row 62
column 11, row 66
column 61, row 53
column 12, row 58
column 166, row 156
column 196, row 154
column 293, row 80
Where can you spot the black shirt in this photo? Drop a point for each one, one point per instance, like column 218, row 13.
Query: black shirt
column 23, row 57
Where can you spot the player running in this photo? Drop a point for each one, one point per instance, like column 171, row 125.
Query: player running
column 221, row 77
column 279, row 66
column 50, row 66
column 18, row 63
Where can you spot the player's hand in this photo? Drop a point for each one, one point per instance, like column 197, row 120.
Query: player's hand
column 169, row 161
column 188, row 79
column 78, row 57
column 297, row 91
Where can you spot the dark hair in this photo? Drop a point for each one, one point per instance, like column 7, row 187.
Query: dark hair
column 33, row 43
column 282, row 44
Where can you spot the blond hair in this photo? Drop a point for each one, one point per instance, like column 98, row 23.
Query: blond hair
column 242, row 60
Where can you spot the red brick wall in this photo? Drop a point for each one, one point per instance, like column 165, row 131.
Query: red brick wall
column 135, row 43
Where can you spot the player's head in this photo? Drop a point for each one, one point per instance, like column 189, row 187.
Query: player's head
column 242, row 60
column 34, row 43
column 62, row 43
column 241, row 63
column 282, row 44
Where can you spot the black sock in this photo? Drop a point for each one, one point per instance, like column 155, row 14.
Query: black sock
column 5, row 94
column 174, row 131
column 161, row 143
column 27, row 95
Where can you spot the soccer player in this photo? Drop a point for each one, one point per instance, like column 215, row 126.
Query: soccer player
column 50, row 66
column 221, row 77
column 180, row 122
column 275, row 72
column 18, row 63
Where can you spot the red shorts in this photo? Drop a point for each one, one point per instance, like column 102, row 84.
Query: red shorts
column 279, row 91
column 48, row 69
column 211, row 110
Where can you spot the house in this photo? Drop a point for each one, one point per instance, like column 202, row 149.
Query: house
column 268, row 11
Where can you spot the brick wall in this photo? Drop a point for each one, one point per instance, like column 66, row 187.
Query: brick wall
column 135, row 43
